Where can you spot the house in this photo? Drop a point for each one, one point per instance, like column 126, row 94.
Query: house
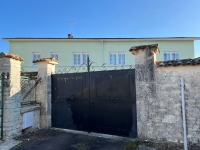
column 112, row 51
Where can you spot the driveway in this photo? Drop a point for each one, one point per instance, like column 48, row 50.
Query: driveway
column 60, row 140
column 72, row 140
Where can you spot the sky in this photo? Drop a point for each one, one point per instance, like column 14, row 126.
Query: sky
column 99, row 19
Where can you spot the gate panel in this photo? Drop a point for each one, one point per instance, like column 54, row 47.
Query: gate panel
column 113, row 101
column 70, row 105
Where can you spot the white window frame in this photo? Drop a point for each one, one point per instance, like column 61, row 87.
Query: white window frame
column 171, row 52
column 117, row 58
column 35, row 53
column 81, row 58
column 54, row 53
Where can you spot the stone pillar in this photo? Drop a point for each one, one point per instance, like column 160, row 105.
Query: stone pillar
column 11, row 64
column 46, row 66
column 145, row 85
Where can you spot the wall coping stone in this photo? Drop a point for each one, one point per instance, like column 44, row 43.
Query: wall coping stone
column 49, row 60
column 9, row 55
column 25, row 109
column 135, row 49
column 181, row 62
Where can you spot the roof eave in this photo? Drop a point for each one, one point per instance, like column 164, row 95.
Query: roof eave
column 104, row 39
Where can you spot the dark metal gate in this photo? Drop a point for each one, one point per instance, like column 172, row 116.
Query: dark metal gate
column 100, row 101
column 2, row 77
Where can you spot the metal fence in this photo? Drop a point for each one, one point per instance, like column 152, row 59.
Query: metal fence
column 28, row 90
column 2, row 77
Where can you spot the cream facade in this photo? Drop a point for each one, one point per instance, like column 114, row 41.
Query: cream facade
column 99, row 49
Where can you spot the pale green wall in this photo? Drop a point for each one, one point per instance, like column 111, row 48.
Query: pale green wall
column 65, row 50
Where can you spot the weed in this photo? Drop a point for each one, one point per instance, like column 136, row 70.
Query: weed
column 17, row 145
column 131, row 146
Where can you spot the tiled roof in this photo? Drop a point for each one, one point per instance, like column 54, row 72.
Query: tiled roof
column 182, row 62
column 9, row 55
column 46, row 60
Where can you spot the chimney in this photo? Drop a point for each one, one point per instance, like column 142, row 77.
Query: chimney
column 70, row 36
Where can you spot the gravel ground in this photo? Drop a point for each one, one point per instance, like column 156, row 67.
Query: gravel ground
column 60, row 140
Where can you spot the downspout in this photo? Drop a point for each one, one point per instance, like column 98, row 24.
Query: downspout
column 102, row 50
column 183, row 113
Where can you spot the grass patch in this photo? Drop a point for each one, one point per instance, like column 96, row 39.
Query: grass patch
column 17, row 145
column 131, row 146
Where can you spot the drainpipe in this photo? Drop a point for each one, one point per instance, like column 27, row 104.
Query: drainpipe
column 183, row 113
column 102, row 50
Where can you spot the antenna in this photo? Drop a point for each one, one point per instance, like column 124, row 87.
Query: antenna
column 71, row 27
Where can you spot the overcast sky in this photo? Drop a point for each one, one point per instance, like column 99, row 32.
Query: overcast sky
column 100, row 18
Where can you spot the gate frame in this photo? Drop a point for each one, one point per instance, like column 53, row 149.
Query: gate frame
column 2, row 103
column 88, row 71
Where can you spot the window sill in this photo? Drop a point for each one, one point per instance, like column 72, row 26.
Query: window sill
column 79, row 65
column 117, row 65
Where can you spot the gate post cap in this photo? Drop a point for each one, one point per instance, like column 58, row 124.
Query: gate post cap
column 48, row 60
column 135, row 49
column 9, row 55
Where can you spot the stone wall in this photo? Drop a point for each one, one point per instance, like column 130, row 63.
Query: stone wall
column 158, row 92
column 46, row 66
column 12, row 120
column 13, row 111
column 37, row 116
column 168, row 102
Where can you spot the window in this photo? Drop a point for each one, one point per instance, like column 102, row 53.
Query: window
column 80, row 58
column 85, row 56
column 117, row 58
column 55, row 55
column 171, row 55
column 35, row 57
